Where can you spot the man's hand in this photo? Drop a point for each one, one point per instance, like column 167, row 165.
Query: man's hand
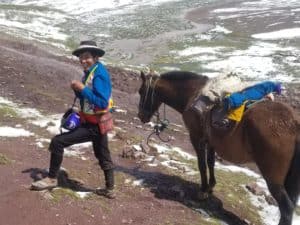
column 77, row 85
column 270, row 96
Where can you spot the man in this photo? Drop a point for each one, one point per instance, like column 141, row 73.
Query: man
column 94, row 92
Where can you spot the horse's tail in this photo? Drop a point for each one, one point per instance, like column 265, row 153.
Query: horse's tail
column 292, row 180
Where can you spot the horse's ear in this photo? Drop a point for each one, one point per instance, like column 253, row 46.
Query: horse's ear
column 143, row 76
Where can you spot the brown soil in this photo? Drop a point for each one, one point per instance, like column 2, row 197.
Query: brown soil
column 36, row 78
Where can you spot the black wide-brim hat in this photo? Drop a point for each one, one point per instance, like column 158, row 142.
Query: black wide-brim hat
column 89, row 46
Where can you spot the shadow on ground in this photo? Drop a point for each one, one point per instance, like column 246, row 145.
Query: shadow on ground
column 175, row 188
column 163, row 186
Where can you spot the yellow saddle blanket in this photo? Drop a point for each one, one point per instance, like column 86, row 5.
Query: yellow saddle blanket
column 237, row 114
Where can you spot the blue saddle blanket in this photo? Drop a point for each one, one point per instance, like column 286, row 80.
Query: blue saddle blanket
column 252, row 93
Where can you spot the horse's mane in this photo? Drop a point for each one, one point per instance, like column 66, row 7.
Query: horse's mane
column 182, row 75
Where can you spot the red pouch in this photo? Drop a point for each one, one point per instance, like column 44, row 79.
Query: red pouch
column 105, row 123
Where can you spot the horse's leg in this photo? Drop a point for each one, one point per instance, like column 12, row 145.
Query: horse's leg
column 276, row 186
column 274, row 162
column 292, row 181
column 211, row 166
column 201, row 156
column 286, row 194
column 286, row 206
column 193, row 123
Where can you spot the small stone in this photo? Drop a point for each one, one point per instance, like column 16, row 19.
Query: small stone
column 155, row 161
column 139, row 155
column 137, row 148
column 247, row 221
column 145, row 147
column 270, row 200
column 127, row 152
column 46, row 194
column 255, row 189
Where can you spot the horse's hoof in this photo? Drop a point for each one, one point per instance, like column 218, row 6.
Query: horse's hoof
column 202, row 195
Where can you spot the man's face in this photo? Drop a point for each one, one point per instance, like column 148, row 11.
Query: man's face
column 87, row 60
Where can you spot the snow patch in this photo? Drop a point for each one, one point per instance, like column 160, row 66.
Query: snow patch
column 82, row 194
column 280, row 34
column 236, row 169
column 14, row 132
column 138, row 182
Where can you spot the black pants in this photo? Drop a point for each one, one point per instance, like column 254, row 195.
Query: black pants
column 84, row 133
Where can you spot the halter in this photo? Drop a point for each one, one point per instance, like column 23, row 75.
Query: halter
column 161, row 124
column 142, row 104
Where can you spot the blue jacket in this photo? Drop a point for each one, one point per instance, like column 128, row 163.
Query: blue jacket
column 255, row 92
column 100, row 90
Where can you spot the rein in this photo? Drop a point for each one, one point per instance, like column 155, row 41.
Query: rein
column 160, row 126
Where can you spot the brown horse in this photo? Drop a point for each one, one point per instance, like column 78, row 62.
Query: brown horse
column 267, row 135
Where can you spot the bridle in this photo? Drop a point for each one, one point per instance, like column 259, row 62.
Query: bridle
column 143, row 103
column 160, row 124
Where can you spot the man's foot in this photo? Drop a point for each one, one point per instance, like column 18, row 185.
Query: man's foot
column 46, row 183
column 108, row 193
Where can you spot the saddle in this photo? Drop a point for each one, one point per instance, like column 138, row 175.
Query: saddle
column 221, row 119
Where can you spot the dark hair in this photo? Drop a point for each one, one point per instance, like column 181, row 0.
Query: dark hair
column 94, row 54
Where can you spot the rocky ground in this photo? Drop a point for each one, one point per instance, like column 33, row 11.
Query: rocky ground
column 147, row 193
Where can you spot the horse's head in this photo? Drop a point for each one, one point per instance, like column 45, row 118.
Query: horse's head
column 149, row 101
